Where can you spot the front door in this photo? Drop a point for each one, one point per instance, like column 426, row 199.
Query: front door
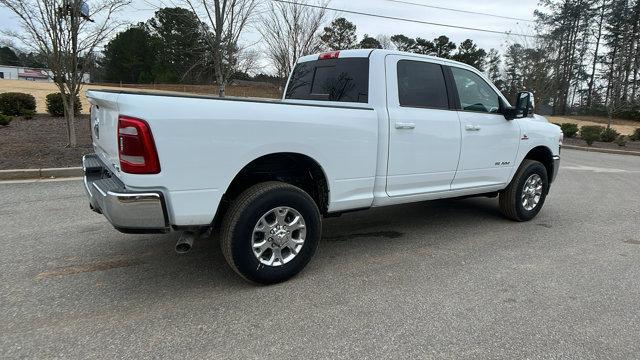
column 489, row 141
column 424, row 134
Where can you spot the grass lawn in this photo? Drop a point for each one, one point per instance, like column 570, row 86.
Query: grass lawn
column 40, row 90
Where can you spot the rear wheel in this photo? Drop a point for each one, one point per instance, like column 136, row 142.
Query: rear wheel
column 525, row 195
column 270, row 232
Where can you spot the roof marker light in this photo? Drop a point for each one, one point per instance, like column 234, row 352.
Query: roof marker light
column 329, row 55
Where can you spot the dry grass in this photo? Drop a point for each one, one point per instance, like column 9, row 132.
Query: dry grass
column 622, row 126
column 41, row 89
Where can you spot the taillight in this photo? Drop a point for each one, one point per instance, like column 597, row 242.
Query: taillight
column 329, row 55
column 136, row 148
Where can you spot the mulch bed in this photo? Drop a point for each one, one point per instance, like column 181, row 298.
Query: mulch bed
column 630, row 146
column 41, row 143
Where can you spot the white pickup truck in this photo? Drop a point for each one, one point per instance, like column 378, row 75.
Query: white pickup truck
column 355, row 129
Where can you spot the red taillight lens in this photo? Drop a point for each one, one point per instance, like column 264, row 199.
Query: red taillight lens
column 329, row 55
column 136, row 148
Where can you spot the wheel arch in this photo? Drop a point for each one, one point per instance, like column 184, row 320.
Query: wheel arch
column 294, row 168
column 543, row 155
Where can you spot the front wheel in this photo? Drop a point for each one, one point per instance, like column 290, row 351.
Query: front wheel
column 270, row 232
column 525, row 195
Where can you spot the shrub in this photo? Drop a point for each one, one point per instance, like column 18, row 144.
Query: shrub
column 5, row 120
column 609, row 135
column 591, row 133
column 635, row 136
column 16, row 104
column 621, row 140
column 28, row 114
column 570, row 130
column 55, row 106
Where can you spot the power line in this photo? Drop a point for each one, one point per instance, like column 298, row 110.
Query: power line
column 458, row 10
column 405, row 19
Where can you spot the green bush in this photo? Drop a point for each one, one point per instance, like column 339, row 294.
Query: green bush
column 635, row 136
column 55, row 106
column 621, row 140
column 5, row 120
column 609, row 135
column 591, row 133
column 569, row 130
column 17, row 104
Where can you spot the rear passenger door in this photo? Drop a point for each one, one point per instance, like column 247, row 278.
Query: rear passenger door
column 424, row 134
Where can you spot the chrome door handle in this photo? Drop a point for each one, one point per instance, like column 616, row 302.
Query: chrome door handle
column 405, row 125
column 472, row 127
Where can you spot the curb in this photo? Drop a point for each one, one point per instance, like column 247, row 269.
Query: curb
column 606, row 151
column 26, row 174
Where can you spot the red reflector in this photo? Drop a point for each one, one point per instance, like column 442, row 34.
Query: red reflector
column 329, row 55
column 136, row 148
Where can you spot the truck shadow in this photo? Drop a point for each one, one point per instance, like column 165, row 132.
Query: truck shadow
column 352, row 238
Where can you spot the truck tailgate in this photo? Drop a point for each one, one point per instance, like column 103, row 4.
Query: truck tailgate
column 104, row 127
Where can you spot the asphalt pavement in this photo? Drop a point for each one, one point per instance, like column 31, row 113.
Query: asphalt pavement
column 443, row 279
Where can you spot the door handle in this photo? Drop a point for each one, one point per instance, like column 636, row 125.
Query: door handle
column 405, row 125
column 472, row 127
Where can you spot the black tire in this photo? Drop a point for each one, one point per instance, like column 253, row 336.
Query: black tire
column 510, row 198
column 244, row 213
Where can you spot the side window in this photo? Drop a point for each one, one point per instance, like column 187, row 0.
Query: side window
column 344, row 80
column 421, row 84
column 474, row 93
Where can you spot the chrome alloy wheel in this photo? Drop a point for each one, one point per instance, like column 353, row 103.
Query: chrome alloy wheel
column 531, row 192
column 278, row 236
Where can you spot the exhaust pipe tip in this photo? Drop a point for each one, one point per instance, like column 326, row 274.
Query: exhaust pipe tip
column 185, row 242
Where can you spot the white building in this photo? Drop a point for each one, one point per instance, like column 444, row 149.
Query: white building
column 31, row 74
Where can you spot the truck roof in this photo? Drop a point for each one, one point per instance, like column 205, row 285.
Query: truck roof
column 378, row 52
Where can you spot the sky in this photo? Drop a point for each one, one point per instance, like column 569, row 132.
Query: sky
column 142, row 10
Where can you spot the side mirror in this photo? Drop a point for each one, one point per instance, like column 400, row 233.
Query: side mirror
column 524, row 106
column 525, row 103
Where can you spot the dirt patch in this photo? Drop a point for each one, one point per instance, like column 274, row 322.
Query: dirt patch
column 90, row 267
column 625, row 127
column 630, row 146
column 41, row 143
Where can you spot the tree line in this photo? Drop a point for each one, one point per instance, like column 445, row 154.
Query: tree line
column 583, row 56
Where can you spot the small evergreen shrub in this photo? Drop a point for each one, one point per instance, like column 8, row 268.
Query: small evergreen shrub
column 591, row 133
column 609, row 135
column 16, row 104
column 569, row 130
column 621, row 140
column 55, row 107
column 28, row 114
column 635, row 136
column 5, row 120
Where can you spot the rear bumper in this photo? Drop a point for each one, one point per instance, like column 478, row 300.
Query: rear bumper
column 128, row 211
column 556, row 167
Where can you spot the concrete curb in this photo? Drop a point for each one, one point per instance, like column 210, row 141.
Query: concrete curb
column 606, row 151
column 25, row 174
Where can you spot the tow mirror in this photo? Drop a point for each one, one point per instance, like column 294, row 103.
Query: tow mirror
column 523, row 108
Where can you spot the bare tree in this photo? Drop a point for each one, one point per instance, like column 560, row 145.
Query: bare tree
column 65, row 33
column 227, row 20
column 385, row 41
column 290, row 30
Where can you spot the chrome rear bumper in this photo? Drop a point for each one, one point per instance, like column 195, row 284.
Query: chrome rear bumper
column 128, row 211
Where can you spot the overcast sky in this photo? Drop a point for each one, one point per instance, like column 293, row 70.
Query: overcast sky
column 141, row 10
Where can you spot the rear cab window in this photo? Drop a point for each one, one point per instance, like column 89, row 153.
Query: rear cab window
column 421, row 84
column 338, row 79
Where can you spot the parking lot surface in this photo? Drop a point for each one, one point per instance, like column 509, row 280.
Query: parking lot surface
column 444, row 279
